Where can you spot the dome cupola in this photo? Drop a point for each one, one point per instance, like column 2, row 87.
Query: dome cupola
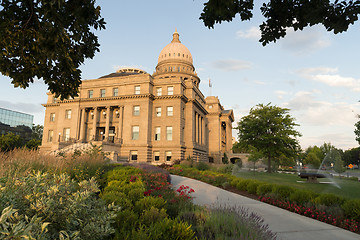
column 175, row 57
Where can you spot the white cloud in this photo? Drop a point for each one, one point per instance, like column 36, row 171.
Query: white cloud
column 280, row 94
column 251, row 33
column 229, row 65
column 260, row 82
column 321, row 113
column 338, row 81
column 317, row 70
column 299, row 42
column 323, row 121
column 305, row 41
column 330, row 77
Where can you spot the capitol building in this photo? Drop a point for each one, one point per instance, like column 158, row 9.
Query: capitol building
column 139, row 117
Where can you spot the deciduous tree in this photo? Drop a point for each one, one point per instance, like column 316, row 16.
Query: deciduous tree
column 10, row 141
column 331, row 157
column 357, row 130
column 48, row 40
column 335, row 16
column 271, row 130
column 339, row 165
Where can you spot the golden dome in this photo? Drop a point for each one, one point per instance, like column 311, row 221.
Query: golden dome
column 175, row 51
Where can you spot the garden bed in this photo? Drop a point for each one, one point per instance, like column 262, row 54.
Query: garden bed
column 326, row 207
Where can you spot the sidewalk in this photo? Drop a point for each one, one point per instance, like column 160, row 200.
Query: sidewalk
column 287, row 225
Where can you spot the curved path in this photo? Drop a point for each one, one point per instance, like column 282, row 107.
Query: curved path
column 287, row 225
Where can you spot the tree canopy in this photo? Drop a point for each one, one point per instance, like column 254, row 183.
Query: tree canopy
column 269, row 129
column 357, row 130
column 352, row 156
column 314, row 157
column 335, row 16
column 48, row 40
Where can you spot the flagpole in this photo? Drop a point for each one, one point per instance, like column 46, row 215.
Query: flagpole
column 210, row 87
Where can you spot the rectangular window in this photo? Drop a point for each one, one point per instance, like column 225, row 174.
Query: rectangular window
column 169, row 111
column 136, row 111
column 169, row 133
column 137, row 89
column 135, row 133
column 134, row 155
column 157, row 133
column 158, row 111
column 158, row 91
column 90, row 93
column 156, row 156
column 66, row 134
column 168, row 155
column 102, row 92
column 52, row 117
column 68, row 114
column 170, row 90
column 50, row 135
column 115, row 92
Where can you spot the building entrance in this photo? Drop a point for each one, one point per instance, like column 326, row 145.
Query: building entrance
column 100, row 134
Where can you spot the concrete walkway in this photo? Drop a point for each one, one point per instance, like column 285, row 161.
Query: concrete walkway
column 287, row 225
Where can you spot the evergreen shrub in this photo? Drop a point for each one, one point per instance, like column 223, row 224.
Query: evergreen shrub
column 201, row 166
column 302, row 197
column 252, row 186
column 329, row 199
column 264, row 189
column 242, row 184
column 352, row 209
column 282, row 192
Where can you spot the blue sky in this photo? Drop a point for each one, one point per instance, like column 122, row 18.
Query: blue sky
column 314, row 73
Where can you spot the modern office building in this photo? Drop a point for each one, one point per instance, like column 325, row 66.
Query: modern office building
column 142, row 117
column 16, row 122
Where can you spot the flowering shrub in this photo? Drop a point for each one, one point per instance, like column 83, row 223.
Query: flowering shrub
column 313, row 212
column 147, row 203
column 156, row 185
column 185, row 191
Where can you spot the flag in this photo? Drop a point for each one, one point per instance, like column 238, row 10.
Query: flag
column 210, row 84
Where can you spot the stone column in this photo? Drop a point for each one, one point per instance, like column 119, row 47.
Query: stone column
column 196, row 128
column 107, row 125
column 202, row 130
column 82, row 125
column 94, row 123
column 120, row 127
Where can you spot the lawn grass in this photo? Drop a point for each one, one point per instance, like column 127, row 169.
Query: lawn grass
column 346, row 188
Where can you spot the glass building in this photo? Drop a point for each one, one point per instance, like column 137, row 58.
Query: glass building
column 16, row 122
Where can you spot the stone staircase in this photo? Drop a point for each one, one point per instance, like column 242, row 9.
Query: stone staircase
column 70, row 149
column 73, row 147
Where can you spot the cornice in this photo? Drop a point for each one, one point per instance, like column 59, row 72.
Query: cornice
column 50, row 104
column 101, row 99
column 171, row 97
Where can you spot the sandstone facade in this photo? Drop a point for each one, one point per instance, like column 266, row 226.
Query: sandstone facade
column 141, row 117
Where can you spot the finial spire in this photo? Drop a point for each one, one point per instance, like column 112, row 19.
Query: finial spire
column 176, row 37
